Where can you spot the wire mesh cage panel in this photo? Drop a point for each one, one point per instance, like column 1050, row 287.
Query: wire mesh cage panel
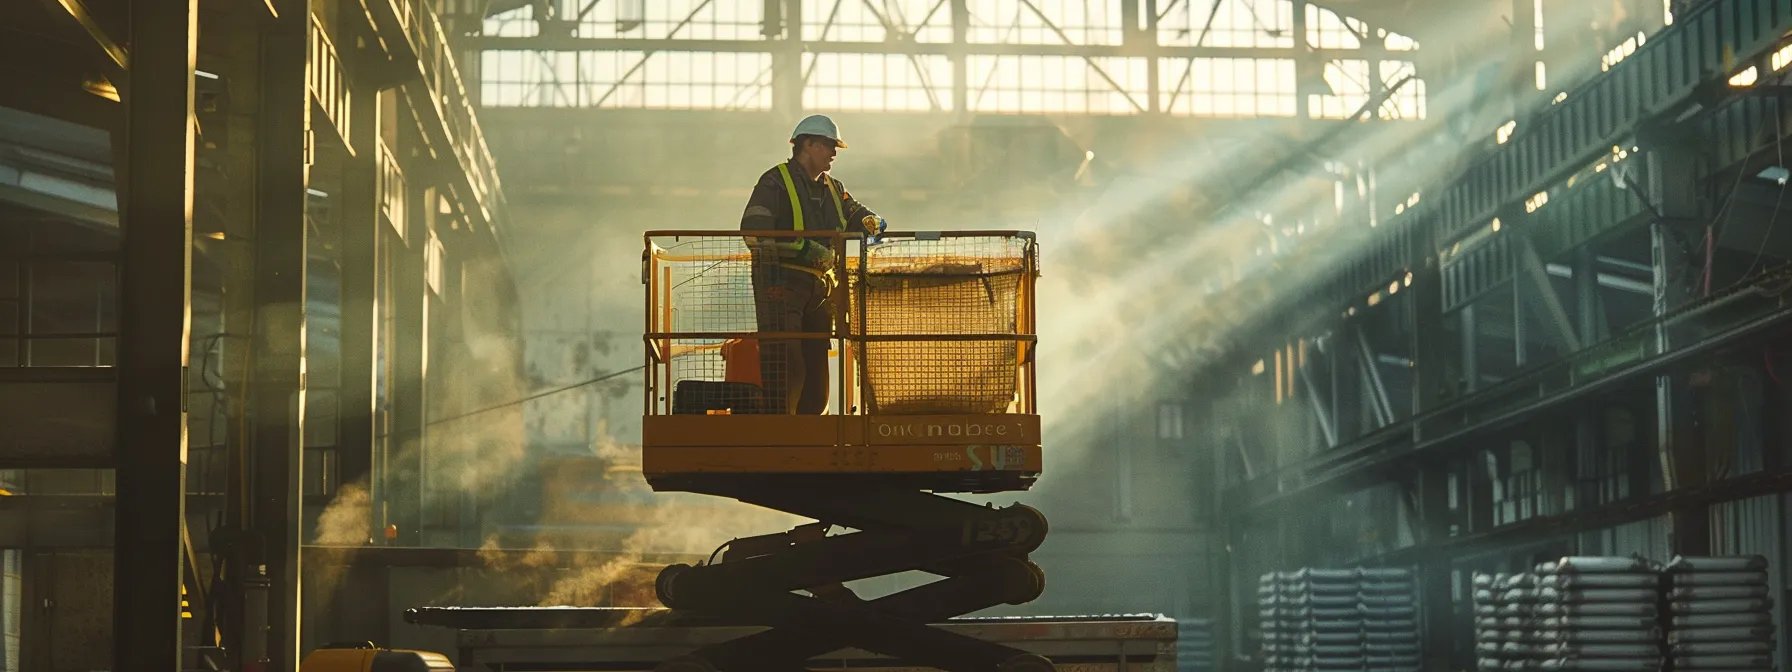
column 966, row 291
column 753, row 324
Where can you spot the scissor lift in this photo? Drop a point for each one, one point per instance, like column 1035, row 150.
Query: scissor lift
column 931, row 349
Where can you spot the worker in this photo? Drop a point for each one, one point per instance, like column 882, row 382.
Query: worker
column 793, row 278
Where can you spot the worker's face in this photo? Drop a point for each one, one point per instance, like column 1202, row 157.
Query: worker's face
column 820, row 153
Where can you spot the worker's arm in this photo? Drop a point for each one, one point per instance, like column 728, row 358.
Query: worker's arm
column 768, row 208
column 856, row 212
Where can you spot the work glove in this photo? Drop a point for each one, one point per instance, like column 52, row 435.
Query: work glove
column 874, row 226
column 816, row 255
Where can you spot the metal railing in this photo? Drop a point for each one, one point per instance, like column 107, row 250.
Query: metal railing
column 452, row 105
column 919, row 324
column 391, row 188
column 325, row 80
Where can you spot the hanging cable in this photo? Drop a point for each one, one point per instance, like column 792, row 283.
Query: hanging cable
column 538, row 395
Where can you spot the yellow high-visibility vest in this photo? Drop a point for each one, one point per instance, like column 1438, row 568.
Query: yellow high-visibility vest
column 796, row 205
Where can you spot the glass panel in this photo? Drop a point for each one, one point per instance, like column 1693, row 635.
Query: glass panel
column 320, row 471
column 62, row 239
column 73, row 298
column 322, row 415
column 62, row 352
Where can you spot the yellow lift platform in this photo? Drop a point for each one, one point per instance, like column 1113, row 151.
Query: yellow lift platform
column 930, row 341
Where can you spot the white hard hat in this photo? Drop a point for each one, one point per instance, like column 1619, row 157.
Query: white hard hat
column 818, row 124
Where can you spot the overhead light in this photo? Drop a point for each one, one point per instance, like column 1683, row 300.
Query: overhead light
column 1505, row 131
column 1778, row 174
column 1089, row 155
column 1745, row 78
column 316, row 193
column 202, row 73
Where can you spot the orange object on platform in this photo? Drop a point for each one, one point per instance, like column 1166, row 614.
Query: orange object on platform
column 742, row 358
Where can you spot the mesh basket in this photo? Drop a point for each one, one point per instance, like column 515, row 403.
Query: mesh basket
column 706, row 287
column 949, row 286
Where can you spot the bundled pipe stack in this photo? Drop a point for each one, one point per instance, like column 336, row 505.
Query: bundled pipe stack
column 1194, row 645
column 1597, row 613
column 1721, row 614
column 1278, row 645
column 1388, row 600
column 1339, row 619
column 1505, row 621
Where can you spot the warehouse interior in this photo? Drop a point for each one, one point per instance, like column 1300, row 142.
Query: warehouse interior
column 1432, row 300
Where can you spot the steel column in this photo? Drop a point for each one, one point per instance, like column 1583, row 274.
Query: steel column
column 787, row 63
column 361, row 228
column 1470, row 333
column 1434, row 573
column 1521, row 339
column 1587, row 305
column 1429, row 371
column 154, row 308
column 1304, row 61
column 1673, row 193
column 404, row 473
column 961, row 23
column 283, row 129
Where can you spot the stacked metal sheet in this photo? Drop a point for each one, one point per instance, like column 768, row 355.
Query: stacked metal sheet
column 1597, row 614
column 1505, row 622
column 1339, row 619
column 1194, row 645
column 1721, row 613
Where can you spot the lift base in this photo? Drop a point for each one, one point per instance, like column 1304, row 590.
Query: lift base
column 981, row 552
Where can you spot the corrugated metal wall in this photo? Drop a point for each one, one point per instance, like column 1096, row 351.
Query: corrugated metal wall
column 1753, row 527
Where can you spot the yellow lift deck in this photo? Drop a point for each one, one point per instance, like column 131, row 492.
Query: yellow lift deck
column 930, row 345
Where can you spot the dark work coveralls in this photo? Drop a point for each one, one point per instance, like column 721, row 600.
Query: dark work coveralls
column 794, row 373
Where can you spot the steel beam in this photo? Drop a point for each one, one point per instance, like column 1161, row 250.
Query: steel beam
column 1538, row 276
column 1371, row 368
column 568, row 43
column 1376, row 453
column 1605, row 111
column 154, row 307
column 1318, row 404
column 277, row 389
column 1596, row 517
column 119, row 59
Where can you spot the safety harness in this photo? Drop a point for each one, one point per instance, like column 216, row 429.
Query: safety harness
column 796, row 216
